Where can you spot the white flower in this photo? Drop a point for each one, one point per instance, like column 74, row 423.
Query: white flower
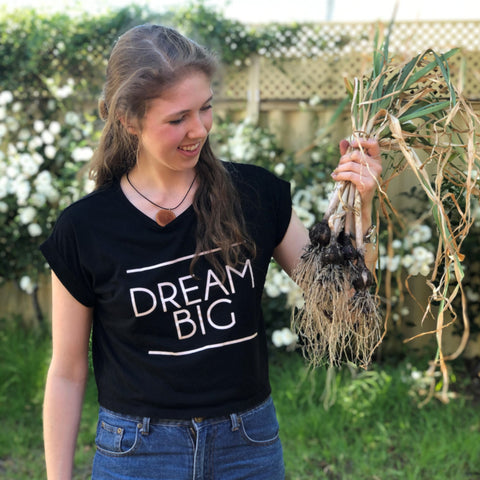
column 34, row 143
column 279, row 169
column 3, row 207
column 417, row 234
column 12, row 171
column 38, row 200
column 3, row 130
column 284, row 337
column 27, row 285
column 64, row 92
column 416, row 375
column 4, row 186
column 6, row 97
column 21, row 188
column 72, row 118
column 407, row 261
column 34, row 229
column 472, row 296
column 12, row 124
column 29, row 165
column 38, row 126
column 76, row 134
column 44, row 178
column 82, row 154
column 392, row 263
column 306, row 217
column 322, row 204
column 272, row 290
column 11, row 150
column 277, row 339
column 50, row 151
column 24, row 134
column 89, row 186
column 47, row 137
column 421, row 254
column 26, row 215
column 295, row 297
column 52, row 194
column 37, row 158
column 54, row 128
column 17, row 107
column 302, row 199
column 397, row 244
column 3, row 113
column 425, row 233
column 424, row 269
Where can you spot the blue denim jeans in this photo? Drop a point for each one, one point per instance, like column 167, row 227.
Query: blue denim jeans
column 236, row 447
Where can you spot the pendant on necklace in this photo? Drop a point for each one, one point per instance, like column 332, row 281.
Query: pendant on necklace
column 163, row 217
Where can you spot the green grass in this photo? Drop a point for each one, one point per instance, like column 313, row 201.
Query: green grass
column 372, row 430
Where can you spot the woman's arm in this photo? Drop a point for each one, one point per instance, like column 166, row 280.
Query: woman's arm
column 290, row 249
column 66, row 379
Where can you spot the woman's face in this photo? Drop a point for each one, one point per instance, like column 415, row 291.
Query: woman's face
column 176, row 125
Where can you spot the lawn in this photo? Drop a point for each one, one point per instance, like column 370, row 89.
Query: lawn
column 349, row 424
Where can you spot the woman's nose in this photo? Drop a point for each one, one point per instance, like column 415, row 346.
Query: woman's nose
column 198, row 127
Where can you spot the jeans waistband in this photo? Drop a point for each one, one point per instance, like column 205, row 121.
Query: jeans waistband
column 146, row 421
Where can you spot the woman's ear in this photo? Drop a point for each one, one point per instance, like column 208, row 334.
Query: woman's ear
column 132, row 129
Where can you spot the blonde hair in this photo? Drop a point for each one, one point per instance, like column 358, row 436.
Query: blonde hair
column 144, row 62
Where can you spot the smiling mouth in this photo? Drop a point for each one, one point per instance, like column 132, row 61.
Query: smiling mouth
column 189, row 148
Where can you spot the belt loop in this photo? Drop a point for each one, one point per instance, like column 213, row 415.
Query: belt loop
column 145, row 430
column 234, row 418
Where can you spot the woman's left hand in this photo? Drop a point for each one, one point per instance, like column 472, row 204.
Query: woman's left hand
column 361, row 164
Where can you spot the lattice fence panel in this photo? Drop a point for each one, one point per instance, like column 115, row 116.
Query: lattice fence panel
column 327, row 52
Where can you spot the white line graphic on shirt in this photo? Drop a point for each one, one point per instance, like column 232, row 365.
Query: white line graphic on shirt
column 206, row 347
column 172, row 262
column 169, row 297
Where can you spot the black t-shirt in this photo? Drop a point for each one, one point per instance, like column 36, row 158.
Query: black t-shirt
column 166, row 344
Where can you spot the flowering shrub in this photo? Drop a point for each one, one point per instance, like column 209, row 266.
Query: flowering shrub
column 40, row 160
column 413, row 253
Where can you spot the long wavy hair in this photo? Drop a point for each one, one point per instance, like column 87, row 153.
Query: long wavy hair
column 144, row 62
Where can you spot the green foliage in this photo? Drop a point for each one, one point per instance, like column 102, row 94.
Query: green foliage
column 51, row 74
column 232, row 40
column 48, row 49
column 236, row 43
column 372, row 428
column 23, row 359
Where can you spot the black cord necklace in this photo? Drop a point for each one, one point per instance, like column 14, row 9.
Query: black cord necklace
column 164, row 215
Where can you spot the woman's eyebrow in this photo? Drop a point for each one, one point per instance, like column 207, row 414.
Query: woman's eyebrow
column 182, row 112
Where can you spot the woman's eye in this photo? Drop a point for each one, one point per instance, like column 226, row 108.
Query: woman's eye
column 206, row 107
column 176, row 122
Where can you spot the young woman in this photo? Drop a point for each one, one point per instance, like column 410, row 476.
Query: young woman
column 165, row 263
